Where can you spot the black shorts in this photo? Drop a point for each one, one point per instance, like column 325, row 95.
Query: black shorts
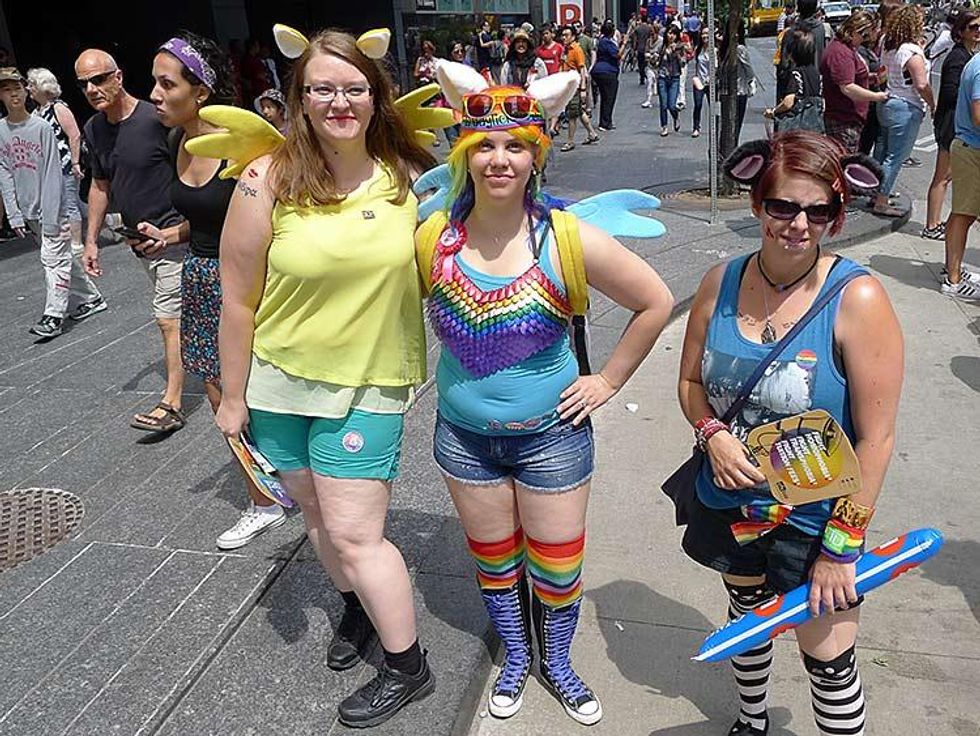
column 784, row 555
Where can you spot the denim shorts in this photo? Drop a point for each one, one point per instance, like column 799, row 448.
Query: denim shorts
column 784, row 555
column 558, row 459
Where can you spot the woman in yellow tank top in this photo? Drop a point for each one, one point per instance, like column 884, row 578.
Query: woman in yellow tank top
column 322, row 342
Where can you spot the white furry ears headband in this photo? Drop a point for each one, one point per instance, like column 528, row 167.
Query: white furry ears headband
column 748, row 163
column 373, row 44
column 458, row 80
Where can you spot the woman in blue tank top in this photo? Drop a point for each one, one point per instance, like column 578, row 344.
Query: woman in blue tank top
column 513, row 438
column 847, row 360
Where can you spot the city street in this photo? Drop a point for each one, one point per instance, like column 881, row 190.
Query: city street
column 136, row 624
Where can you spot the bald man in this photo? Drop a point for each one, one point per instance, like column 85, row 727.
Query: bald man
column 131, row 164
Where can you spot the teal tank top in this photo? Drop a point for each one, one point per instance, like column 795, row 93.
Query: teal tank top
column 519, row 399
column 803, row 377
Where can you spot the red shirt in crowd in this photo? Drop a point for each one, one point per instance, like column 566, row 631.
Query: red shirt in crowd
column 841, row 65
column 551, row 56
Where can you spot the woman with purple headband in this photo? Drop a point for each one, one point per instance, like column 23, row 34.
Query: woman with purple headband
column 191, row 72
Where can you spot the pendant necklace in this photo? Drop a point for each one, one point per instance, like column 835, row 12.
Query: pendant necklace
column 768, row 331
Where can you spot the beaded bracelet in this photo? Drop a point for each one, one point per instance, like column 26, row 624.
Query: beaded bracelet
column 841, row 542
column 706, row 428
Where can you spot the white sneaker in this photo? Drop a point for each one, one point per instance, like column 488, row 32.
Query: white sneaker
column 965, row 275
column 645, row 103
column 965, row 289
column 253, row 521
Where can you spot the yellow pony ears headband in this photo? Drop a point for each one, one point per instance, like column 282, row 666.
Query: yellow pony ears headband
column 373, row 44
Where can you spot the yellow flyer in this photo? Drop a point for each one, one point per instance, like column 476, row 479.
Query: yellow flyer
column 805, row 458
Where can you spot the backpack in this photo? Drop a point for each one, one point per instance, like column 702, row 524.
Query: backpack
column 570, row 255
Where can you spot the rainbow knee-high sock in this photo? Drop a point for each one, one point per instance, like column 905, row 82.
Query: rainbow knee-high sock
column 556, row 570
column 499, row 565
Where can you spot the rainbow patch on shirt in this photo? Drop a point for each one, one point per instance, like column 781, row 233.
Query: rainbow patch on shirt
column 806, row 359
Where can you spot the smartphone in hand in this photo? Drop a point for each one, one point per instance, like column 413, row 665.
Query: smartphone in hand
column 133, row 234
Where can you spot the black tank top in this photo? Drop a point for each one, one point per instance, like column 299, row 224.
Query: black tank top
column 204, row 207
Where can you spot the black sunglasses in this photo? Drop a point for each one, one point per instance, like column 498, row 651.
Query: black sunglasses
column 97, row 79
column 973, row 27
column 783, row 209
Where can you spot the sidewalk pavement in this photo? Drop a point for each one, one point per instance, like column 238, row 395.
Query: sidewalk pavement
column 138, row 625
column 648, row 607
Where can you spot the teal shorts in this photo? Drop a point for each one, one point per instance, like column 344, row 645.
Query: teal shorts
column 360, row 445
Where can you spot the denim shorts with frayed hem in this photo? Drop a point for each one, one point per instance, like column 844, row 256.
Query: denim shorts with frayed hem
column 784, row 555
column 558, row 459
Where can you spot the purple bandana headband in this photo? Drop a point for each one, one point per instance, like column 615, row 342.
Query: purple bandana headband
column 192, row 59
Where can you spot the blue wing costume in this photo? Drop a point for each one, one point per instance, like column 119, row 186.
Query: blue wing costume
column 612, row 211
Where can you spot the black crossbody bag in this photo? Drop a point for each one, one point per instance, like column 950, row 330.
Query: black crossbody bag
column 680, row 486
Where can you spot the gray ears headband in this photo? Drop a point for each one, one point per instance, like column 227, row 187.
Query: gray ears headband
column 748, row 163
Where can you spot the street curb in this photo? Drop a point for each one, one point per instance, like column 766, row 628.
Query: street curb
column 185, row 685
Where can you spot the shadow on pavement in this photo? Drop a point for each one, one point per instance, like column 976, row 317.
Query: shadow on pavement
column 658, row 658
column 907, row 270
column 967, row 369
column 958, row 566
column 305, row 586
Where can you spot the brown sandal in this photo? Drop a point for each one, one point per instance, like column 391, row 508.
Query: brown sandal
column 172, row 419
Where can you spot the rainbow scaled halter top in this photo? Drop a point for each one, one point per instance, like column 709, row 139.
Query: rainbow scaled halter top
column 488, row 331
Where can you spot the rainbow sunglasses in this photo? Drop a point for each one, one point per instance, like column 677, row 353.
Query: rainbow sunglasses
column 500, row 108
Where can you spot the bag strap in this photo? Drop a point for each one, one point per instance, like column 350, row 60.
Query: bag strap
column 760, row 369
column 425, row 247
column 572, row 259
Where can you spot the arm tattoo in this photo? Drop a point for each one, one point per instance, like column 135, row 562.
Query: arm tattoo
column 247, row 190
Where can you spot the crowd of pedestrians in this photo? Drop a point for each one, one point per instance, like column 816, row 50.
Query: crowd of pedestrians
column 273, row 291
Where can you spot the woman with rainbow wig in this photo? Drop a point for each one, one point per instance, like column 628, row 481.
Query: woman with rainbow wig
column 513, row 436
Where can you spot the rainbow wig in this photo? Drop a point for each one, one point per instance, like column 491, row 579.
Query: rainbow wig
column 461, row 195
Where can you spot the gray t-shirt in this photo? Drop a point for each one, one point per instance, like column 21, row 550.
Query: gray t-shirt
column 133, row 156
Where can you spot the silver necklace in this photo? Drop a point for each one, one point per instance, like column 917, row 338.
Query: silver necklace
column 768, row 331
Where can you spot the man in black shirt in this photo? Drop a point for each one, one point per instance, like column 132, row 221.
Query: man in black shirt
column 640, row 38
column 131, row 164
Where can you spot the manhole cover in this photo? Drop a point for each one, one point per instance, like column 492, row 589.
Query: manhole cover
column 34, row 519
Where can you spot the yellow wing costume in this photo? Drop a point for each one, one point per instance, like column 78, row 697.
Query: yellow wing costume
column 246, row 136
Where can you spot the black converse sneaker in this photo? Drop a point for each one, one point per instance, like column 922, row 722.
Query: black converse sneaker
column 555, row 628
column 385, row 694
column 353, row 639
column 509, row 614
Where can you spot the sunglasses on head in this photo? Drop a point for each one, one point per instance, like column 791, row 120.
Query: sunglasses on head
column 97, row 79
column 516, row 107
column 783, row 209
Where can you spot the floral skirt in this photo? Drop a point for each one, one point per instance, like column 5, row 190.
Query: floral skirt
column 199, row 317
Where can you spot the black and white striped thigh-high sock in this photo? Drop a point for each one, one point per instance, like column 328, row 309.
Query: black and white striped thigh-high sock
column 836, row 694
column 752, row 667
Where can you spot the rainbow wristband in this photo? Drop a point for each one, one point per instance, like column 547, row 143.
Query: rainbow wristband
column 841, row 542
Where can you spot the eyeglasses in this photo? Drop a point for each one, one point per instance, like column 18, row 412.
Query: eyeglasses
column 326, row 93
column 516, row 107
column 783, row 209
column 973, row 27
column 97, row 79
